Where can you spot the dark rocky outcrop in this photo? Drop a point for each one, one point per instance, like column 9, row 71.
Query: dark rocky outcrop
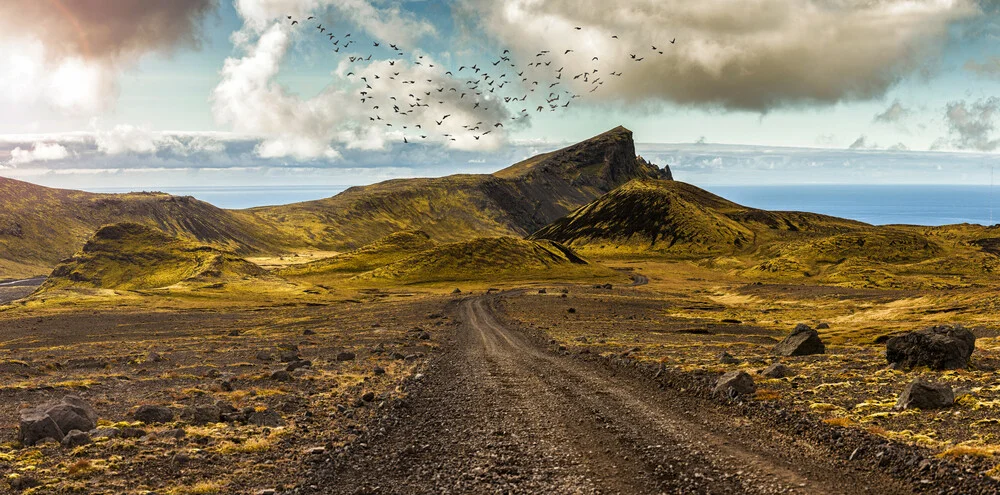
column 152, row 414
column 803, row 341
column 940, row 347
column 924, row 395
column 733, row 384
column 55, row 419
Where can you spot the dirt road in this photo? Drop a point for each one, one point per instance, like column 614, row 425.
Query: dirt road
column 499, row 414
column 11, row 290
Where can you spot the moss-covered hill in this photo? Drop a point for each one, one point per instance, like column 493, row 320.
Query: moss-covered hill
column 384, row 251
column 130, row 256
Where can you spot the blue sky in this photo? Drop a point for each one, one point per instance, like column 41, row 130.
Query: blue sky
column 229, row 92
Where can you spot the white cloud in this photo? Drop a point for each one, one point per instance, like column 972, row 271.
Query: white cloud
column 125, row 139
column 39, row 152
column 775, row 54
column 896, row 113
column 971, row 125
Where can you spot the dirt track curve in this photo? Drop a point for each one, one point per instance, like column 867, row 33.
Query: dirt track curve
column 499, row 414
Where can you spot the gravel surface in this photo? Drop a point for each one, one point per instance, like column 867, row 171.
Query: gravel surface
column 497, row 413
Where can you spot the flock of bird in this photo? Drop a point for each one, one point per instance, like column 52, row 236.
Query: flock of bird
column 506, row 81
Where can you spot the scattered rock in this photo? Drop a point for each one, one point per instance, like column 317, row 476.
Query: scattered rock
column 379, row 370
column 86, row 363
column 942, row 347
column 72, row 413
column 571, row 310
column 226, row 385
column 424, row 336
column 368, row 397
column 266, row 491
column 266, row 417
column 264, row 356
column 36, row 425
column 803, row 341
column 106, row 432
column 234, row 333
column 316, row 450
column 308, row 332
column 202, row 415
column 731, row 321
column 154, row 357
column 456, row 291
column 133, row 432
column 345, row 356
column 152, row 414
column 288, row 356
column 281, row 376
column 294, row 365
column 75, row 438
column 176, row 434
column 733, row 384
column 823, row 326
column 924, row 395
column 727, row 358
column 776, row 370
column 542, row 291
column 23, row 482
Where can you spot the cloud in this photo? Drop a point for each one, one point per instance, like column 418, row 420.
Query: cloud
column 895, row 114
column 780, row 53
column 987, row 68
column 68, row 55
column 971, row 125
column 367, row 105
column 39, row 152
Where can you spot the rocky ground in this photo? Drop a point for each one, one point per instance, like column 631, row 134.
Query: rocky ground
column 252, row 397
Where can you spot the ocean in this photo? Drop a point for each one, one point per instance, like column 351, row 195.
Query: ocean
column 875, row 204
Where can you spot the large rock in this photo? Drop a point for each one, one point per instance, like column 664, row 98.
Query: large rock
column 803, row 341
column 925, row 395
column 152, row 414
column 36, row 425
column 202, row 414
column 76, row 438
column 72, row 413
column 776, row 370
column 941, row 347
column 733, row 384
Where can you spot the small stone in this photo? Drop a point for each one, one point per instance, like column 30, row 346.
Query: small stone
column 130, row 432
column 106, row 432
column 281, row 376
column 316, row 450
column 308, row 332
column 266, row 491
column 289, row 356
column 368, row 397
column 154, row 357
column 571, row 310
column 202, row 415
column 542, row 291
column 379, row 370
column 266, row 417
column 294, row 365
column 75, row 438
column 345, row 356
column 226, row 385
column 823, row 326
column 776, row 370
column 733, row 384
column 234, row 333
column 727, row 358
column 802, row 341
column 176, row 434
column 424, row 336
column 264, row 356
column 152, row 414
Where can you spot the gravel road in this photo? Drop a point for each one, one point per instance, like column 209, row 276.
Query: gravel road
column 499, row 414
column 12, row 290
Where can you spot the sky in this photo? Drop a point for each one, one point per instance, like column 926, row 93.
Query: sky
column 171, row 93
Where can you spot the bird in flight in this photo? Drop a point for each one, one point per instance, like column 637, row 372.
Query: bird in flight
column 673, row 41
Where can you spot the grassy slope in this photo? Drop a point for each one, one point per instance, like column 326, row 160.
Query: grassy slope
column 40, row 226
column 489, row 259
column 131, row 256
column 384, row 251
column 679, row 221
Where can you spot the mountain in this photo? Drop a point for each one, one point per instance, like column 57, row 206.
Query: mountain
column 40, row 226
column 489, row 259
column 387, row 250
column 515, row 201
column 130, row 256
column 657, row 216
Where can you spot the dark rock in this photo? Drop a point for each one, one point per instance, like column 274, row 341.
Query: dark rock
column 264, row 356
column 23, row 482
column 87, row 363
column 72, row 413
column 776, row 370
column 345, row 356
column 571, row 310
column 106, row 432
column 36, row 425
column 456, row 291
column 152, row 414
column 226, row 385
column 379, row 370
column 727, row 358
column 924, row 395
column 202, row 415
column 234, row 333
column 308, row 332
column 154, row 357
column 368, row 397
column 75, row 438
column 733, row 384
column 133, row 432
column 294, row 365
column 803, row 341
column 281, row 376
column 823, row 326
column 940, row 348
column 542, row 291
column 424, row 336
column 176, row 434
column 288, row 356
column 265, row 418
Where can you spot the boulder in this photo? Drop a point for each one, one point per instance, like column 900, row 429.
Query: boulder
column 202, row 415
column 281, row 376
column 776, row 370
column 35, row 425
column 152, row 414
column 803, row 341
column 924, row 395
column 733, row 384
column 294, row 365
column 75, row 438
column 942, row 347
column 72, row 413
column 106, row 432
column 266, row 417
